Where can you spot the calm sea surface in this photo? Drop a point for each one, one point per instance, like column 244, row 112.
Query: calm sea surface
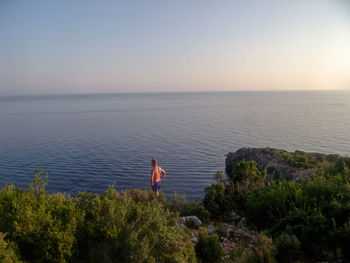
column 87, row 142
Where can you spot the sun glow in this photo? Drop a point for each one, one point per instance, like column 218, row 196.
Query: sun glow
column 260, row 45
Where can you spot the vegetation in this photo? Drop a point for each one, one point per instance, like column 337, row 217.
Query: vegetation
column 287, row 247
column 300, row 159
column 208, row 248
column 297, row 221
column 307, row 220
column 110, row 227
column 221, row 198
column 179, row 204
column 7, row 252
column 262, row 251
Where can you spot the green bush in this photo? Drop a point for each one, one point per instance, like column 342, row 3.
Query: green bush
column 42, row 226
column 216, row 200
column 308, row 220
column 197, row 210
column 261, row 251
column 208, row 248
column 179, row 204
column 143, row 196
column 191, row 225
column 220, row 177
column 39, row 181
column 288, row 248
column 117, row 229
column 110, row 227
column 222, row 197
column 247, row 178
column 7, row 252
column 343, row 240
column 314, row 211
column 247, row 172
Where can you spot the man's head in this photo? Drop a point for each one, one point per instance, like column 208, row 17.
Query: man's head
column 154, row 162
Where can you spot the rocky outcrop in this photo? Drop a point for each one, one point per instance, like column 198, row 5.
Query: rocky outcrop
column 189, row 221
column 211, row 229
column 266, row 159
column 232, row 236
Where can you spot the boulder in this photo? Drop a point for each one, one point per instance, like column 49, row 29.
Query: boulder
column 188, row 219
column 242, row 222
column 234, row 217
column 195, row 220
column 181, row 226
column 194, row 240
column 227, row 232
column 211, row 229
column 181, row 221
column 242, row 233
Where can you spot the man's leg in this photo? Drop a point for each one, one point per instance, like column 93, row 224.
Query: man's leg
column 156, row 188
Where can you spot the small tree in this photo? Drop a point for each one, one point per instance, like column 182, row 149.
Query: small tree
column 7, row 251
column 247, row 178
column 208, row 248
column 220, row 177
column 39, row 181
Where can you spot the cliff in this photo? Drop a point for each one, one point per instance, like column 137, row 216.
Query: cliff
column 280, row 164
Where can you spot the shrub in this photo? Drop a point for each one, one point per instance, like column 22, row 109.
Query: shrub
column 179, row 204
column 246, row 179
column 39, row 181
column 118, row 229
column 7, row 252
column 140, row 196
column 110, row 227
column 216, row 200
column 314, row 211
column 247, row 172
column 191, row 224
column 42, row 226
column 222, row 197
column 343, row 241
column 220, row 177
column 143, row 196
column 268, row 206
column 197, row 210
column 208, row 248
column 262, row 251
column 288, row 248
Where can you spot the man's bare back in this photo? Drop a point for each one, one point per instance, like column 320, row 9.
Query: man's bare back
column 157, row 175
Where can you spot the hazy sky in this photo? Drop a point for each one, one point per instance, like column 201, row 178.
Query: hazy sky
column 143, row 46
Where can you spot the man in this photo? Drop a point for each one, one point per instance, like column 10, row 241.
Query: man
column 157, row 175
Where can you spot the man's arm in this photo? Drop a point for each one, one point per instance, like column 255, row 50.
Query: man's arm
column 152, row 178
column 163, row 173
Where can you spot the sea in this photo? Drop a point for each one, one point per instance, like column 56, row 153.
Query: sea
column 92, row 141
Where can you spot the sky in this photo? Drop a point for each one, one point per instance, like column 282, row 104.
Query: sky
column 82, row 46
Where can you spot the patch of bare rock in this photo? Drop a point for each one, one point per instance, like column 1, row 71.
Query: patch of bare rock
column 233, row 236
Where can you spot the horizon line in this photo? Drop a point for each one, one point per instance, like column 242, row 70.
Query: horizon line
column 165, row 92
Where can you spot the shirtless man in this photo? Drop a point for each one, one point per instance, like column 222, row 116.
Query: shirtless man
column 157, row 175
